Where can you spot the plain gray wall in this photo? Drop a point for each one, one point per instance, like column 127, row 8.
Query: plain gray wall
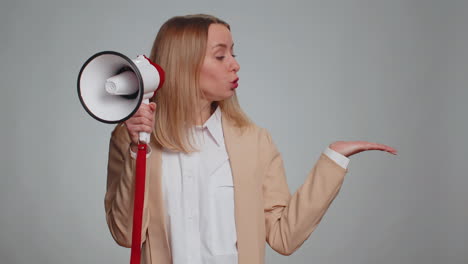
column 312, row 72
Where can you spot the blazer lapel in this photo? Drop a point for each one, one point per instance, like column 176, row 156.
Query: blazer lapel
column 245, row 194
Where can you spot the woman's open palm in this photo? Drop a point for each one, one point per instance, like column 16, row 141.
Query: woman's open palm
column 348, row 148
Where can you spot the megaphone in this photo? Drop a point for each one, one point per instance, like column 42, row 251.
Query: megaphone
column 111, row 86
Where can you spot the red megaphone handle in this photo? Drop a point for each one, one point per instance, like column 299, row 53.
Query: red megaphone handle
column 139, row 198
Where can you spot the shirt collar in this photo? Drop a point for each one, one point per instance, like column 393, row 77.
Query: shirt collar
column 214, row 126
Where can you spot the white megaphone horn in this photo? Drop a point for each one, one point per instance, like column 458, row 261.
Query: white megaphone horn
column 111, row 86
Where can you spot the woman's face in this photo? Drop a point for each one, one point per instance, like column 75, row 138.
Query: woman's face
column 218, row 75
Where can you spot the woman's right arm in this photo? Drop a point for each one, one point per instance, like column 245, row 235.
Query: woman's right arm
column 118, row 200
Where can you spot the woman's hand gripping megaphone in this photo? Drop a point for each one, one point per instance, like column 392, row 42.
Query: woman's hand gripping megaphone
column 141, row 121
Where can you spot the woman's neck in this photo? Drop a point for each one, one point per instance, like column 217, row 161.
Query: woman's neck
column 205, row 112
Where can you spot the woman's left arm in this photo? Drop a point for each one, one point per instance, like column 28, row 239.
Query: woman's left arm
column 289, row 220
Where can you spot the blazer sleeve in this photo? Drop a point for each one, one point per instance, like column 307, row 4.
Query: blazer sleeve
column 289, row 220
column 118, row 201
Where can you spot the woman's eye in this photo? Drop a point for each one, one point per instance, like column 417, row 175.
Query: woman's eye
column 219, row 57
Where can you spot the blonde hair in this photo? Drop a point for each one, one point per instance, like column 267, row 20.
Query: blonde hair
column 179, row 48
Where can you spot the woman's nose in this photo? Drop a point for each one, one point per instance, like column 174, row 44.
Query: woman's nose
column 235, row 65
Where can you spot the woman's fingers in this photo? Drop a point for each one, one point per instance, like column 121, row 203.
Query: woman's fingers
column 141, row 121
column 152, row 105
column 136, row 128
column 144, row 110
column 144, row 120
column 377, row 146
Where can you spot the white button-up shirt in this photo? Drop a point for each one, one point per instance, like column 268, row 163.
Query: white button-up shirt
column 198, row 193
column 199, row 198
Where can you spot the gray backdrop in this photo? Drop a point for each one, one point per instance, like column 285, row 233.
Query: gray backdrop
column 312, row 72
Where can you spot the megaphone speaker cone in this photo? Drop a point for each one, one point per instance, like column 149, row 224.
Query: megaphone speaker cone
column 103, row 106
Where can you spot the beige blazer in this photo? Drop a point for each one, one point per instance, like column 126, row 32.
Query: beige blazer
column 265, row 211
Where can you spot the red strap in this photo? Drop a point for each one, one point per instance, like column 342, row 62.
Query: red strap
column 138, row 204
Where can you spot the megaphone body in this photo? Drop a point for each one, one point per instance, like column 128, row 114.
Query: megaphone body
column 111, row 86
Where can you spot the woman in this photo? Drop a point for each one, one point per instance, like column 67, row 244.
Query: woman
column 216, row 188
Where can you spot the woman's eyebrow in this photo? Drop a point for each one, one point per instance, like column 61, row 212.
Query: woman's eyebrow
column 222, row 45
